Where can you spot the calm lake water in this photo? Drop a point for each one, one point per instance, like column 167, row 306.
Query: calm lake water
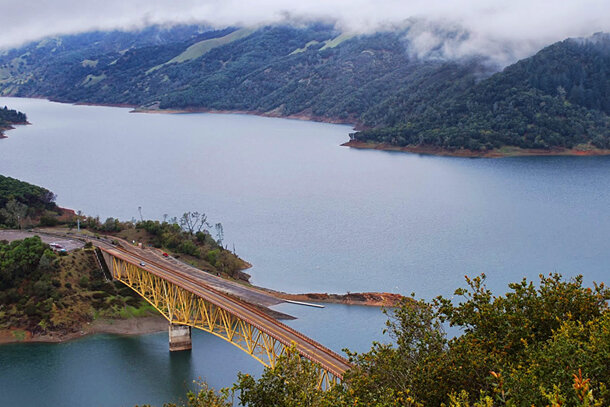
column 308, row 214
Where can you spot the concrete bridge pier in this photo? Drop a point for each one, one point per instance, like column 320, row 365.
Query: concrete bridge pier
column 179, row 337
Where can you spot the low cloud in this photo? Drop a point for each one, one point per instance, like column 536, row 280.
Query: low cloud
column 505, row 30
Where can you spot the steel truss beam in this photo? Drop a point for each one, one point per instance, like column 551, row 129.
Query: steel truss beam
column 180, row 306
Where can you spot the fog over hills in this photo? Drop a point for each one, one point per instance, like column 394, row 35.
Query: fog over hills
column 506, row 30
column 420, row 84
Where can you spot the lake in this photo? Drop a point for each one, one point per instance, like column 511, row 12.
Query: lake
column 310, row 215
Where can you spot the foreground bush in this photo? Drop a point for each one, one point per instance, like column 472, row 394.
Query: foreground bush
column 537, row 345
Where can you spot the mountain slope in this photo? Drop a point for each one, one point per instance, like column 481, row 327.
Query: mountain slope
column 314, row 71
column 559, row 98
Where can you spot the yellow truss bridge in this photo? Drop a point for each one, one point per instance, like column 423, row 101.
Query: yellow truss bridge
column 188, row 302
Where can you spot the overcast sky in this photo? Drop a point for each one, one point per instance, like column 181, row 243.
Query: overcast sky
column 495, row 26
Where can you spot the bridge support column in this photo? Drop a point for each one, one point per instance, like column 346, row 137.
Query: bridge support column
column 179, row 337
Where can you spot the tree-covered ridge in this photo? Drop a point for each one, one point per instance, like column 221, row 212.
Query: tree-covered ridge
column 24, row 204
column 31, row 195
column 558, row 98
column 313, row 71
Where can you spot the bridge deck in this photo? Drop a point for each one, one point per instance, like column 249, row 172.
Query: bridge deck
column 307, row 347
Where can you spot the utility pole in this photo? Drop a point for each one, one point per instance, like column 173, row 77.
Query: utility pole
column 78, row 215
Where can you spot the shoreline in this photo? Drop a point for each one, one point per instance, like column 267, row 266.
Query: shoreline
column 139, row 109
column 464, row 153
column 157, row 323
column 125, row 327
column 5, row 128
column 272, row 113
column 11, row 127
column 507, row 151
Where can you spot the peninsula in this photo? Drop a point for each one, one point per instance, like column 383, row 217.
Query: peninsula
column 8, row 118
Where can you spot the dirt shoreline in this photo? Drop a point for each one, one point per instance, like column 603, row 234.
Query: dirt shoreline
column 11, row 127
column 3, row 129
column 504, row 152
column 131, row 326
column 139, row 109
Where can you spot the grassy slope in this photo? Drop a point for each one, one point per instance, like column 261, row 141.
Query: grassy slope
column 203, row 47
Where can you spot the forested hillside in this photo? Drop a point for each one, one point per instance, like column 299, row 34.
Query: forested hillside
column 23, row 204
column 556, row 99
column 314, row 71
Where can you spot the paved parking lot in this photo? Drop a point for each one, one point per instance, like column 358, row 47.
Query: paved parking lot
column 67, row 244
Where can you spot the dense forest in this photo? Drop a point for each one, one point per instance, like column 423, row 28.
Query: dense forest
column 555, row 99
column 23, row 204
column 560, row 97
column 545, row 344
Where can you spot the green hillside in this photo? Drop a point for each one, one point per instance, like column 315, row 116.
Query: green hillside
column 557, row 99
column 203, row 47
column 23, row 204
column 315, row 71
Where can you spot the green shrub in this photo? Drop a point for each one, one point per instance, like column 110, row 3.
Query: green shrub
column 49, row 220
column 212, row 256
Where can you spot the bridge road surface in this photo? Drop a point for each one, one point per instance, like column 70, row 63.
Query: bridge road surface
column 329, row 360
column 247, row 293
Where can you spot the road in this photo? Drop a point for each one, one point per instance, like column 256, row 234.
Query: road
column 247, row 293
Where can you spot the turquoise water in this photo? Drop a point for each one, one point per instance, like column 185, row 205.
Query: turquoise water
column 309, row 215
column 111, row 370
